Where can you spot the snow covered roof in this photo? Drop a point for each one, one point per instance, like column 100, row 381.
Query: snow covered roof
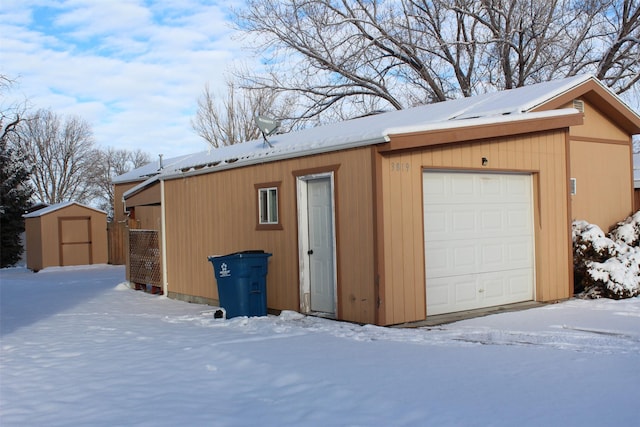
column 148, row 170
column 58, row 206
column 490, row 108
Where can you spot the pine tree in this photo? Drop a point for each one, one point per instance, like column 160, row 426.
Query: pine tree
column 15, row 194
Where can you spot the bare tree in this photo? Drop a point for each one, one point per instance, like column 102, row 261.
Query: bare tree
column 619, row 65
column 10, row 115
column 346, row 57
column 111, row 163
column 15, row 191
column 228, row 120
column 62, row 156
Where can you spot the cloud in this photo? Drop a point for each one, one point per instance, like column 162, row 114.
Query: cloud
column 133, row 69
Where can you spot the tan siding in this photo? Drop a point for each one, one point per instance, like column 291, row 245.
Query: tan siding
column 216, row 214
column 148, row 196
column 597, row 125
column 34, row 243
column 542, row 154
column 148, row 217
column 50, row 241
column 604, row 182
column 118, row 207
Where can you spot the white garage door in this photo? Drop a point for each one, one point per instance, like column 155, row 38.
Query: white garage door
column 479, row 243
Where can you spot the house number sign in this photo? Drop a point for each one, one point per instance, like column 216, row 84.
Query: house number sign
column 400, row 167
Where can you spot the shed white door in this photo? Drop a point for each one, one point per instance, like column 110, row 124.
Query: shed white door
column 316, row 234
column 321, row 285
column 479, row 241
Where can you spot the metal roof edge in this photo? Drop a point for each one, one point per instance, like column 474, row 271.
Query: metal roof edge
column 57, row 206
column 267, row 159
column 588, row 79
column 482, row 121
column 138, row 188
column 546, row 98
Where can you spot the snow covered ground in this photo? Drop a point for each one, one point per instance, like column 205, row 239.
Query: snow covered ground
column 78, row 348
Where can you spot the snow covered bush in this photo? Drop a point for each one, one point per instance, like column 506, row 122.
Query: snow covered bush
column 628, row 230
column 607, row 266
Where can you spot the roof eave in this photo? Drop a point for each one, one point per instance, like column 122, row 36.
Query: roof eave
column 478, row 130
column 58, row 206
column 140, row 187
column 601, row 97
column 272, row 158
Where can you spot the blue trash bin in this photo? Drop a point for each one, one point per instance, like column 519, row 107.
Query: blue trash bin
column 242, row 282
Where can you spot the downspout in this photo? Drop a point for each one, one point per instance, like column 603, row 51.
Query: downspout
column 163, row 229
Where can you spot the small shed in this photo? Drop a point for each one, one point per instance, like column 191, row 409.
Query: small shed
column 67, row 233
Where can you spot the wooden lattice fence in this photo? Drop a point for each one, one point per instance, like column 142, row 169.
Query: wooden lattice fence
column 145, row 261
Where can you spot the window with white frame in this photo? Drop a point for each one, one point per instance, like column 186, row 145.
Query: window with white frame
column 268, row 210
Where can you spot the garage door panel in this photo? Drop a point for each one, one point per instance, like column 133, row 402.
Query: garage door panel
column 464, row 290
column 518, row 224
column 468, row 292
column 490, row 221
column 519, row 284
column 505, row 287
column 518, row 187
column 478, row 240
column 520, row 252
column 492, row 287
column 454, row 258
column 447, row 222
column 465, row 188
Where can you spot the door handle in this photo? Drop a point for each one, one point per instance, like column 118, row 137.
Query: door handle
column 310, row 252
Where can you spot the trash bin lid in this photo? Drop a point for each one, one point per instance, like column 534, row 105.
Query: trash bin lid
column 239, row 254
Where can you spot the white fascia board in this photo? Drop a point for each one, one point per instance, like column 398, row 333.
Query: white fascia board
column 491, row 120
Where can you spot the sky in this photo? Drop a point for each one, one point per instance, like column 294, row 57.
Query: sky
column 133, row 69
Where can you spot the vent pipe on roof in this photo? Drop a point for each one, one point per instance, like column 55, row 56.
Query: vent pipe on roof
column 161, row 164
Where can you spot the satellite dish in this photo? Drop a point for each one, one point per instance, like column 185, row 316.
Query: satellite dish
column 267, row 126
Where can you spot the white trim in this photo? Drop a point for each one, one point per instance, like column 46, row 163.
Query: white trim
column 303, row 246
column 267, row 191
column 303, row 240
column 163, row 240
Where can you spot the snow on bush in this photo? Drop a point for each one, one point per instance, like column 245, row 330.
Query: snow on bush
column 628, row 230
column 607, row 265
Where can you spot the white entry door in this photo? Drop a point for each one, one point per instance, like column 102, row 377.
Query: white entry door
column 479, row 240
column 317, row 230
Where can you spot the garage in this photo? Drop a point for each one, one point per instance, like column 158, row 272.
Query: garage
column 441, row 208
column 478, row 239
